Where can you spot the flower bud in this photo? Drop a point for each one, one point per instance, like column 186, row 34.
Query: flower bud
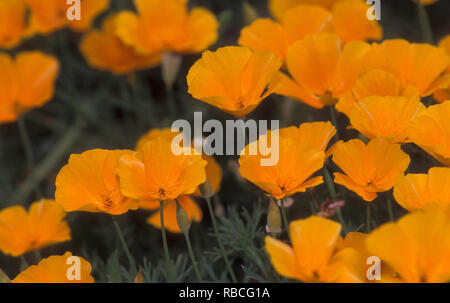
column 182, row 219
column 170, row 66
column 273, row 218
column 139, row 277
column 206, row 189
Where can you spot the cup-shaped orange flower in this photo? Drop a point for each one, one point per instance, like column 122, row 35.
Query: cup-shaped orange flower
column 419, row 65
column 431, row 131
column 233, row 78
column 385, row 117
column 193, row 211
column 423, row 191
column 41, row 226
column 104, row 50
column 51, row 15
column 89, row 182
column 443, row 94
column 417, row 247
column 12, row 22
column 167, row 26
column 154, row 172
column 57, row 269
column 321, row 69
column 25, row 82
column 314, row 255
column 297, row 161
column 374, row 83
column 266, row 34
column 369, row 169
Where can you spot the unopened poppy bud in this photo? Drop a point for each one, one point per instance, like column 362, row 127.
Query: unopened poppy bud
column 206, row 189
column 273, row 218
column 170, row 65
column 182, row 219
column 139, row 277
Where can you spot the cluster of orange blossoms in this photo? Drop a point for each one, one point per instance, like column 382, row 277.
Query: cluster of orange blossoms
column 312, row 51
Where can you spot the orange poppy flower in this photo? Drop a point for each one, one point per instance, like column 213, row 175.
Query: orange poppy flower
column 372, row 168
column 385, row 117
column 373, row 83
column 12, row 22
column 443, row 94
column 279, row 7
column 233, row 78
column 41, row 226
column 265, row 34
column 321, row 69
column 297, row 161
column 57, row 269
column 431, row 131
column 104, row 50
column 166, row 25
column 154, row 172
column 419, row 65
column 314, row 255
column 25, row 82
column 419, row 191
column 51, row 15
column 417, row 247
column 89, row 182
column 193, row 211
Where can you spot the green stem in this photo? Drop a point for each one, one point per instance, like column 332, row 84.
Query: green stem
column 334, row 120
column 24, row 264
column 390, row 210
column 332, row 191
column 424, row 21
column 37, row 256
column 125, row 246
column 219, row 240
column 368, row 219
column 166, row 248
column 191, row 253
column 285, row 219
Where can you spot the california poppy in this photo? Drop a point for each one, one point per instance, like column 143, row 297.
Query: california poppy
column 104, row 50
column 41, row 226
column 369, row 169
column 297, row 161
column 57, row 269
column 279, row 7
column 25, row 82
column 417, row 247
column 385, row 117
column 314, row 255
column 419, row 191
column 89, row 182
column 322, row 70
column 443, row 94
column 12, row 22
column 233, row 78
column 167, row 26
column 431, row 131
column 266, row 34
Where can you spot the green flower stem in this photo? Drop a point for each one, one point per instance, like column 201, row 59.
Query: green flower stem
column 368, row 219
column 125, row 246
column 390, row 210
column 37, row 256
column 191, row 253
column 332, row 192
column 166, row 248
column 219, row 240
column 285, row 219
column 334, row 120
column 424, row 21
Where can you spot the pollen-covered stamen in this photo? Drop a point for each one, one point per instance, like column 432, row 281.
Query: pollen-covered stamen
column 162, row 193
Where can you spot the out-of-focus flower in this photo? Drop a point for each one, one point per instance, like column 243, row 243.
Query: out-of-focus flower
column 25, row 82
column 443, row 94
column 322, row 70
column 104, row 50
column 385, row 117
column 234, row 78
column 422, row 191
column 374, row 83
column 57, row 269
column 279, row 7
column 167, row 26
column 297, row 161
column 419, row 65
column 314, row 255
column 417, row 247
column 51, row 15
column 41, row 226
column 431, row 131
column 154, row 172
column 12, row 22
column 89, row 182
column 266, row 34
column 426, row 2
column 369, row 169
column 193, row 211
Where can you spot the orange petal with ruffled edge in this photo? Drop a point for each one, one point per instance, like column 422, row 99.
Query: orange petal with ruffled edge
column 55, row 269
column 90, row 9
column 8, row 89
column 12, row 22
column 315, row 134
column 282, row 257
column 191, row 208
column 290, row 88
column 46, row 16
column 279, row 7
